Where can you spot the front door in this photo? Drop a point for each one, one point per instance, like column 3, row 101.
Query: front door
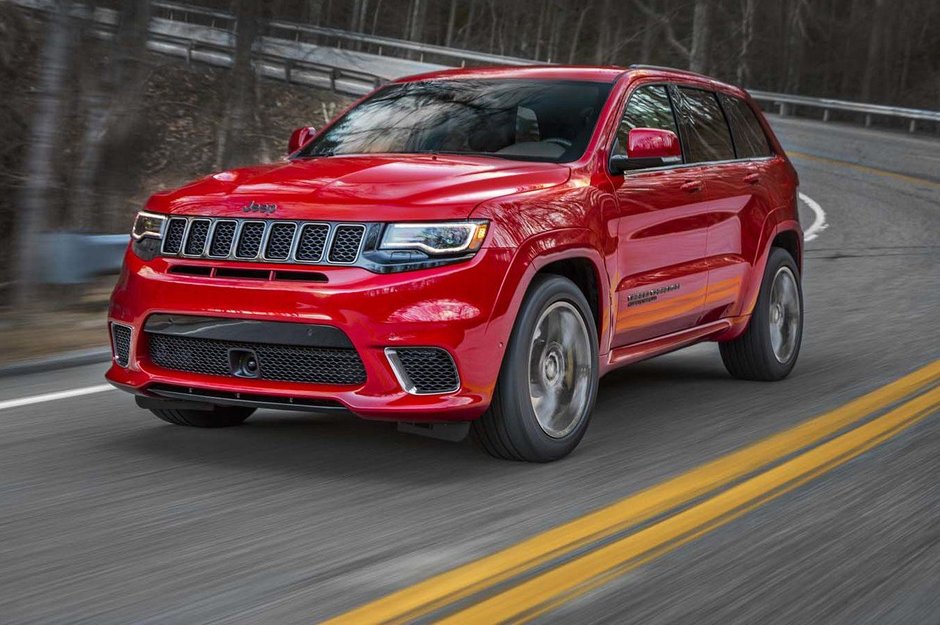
column 662, row 230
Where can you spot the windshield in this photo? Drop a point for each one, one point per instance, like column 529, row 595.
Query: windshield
column 533, row 120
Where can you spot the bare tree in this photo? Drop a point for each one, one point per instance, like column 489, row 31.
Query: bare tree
column 40, row 155
column 236, row 141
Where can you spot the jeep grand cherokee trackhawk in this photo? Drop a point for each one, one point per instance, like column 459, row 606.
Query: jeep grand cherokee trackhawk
column 470, row 246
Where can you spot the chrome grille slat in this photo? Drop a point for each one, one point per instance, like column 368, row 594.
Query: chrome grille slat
column 265, row 240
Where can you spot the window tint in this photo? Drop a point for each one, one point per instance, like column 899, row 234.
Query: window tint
column 534, row 120
column 706, row 131
column 648, row 108
column 749, row 138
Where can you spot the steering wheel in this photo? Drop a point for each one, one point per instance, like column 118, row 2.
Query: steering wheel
column 559, row 141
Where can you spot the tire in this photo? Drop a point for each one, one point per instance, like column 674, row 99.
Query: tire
column 763, row 353
column 218, row 417
column 540, row 369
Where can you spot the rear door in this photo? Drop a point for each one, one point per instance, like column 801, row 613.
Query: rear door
column 661, row 277
column 742, row 193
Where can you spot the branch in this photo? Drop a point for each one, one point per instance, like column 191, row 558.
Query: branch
column 677, row 45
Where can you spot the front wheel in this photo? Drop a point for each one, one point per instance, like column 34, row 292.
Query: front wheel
column 768, row 348
column 548, row 382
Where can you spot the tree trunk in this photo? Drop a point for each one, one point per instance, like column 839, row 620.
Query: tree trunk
column 701, row 36
column 451, row 18
column 747, row 35
column 238, row 137
column 575, row 38
column 44, row 133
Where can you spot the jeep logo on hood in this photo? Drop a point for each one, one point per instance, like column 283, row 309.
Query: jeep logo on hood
column 255, row 207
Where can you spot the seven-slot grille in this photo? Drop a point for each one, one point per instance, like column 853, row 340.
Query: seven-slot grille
column 264, row 240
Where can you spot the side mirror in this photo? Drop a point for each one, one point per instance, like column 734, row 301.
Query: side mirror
column 648, row 147
column 300, row 137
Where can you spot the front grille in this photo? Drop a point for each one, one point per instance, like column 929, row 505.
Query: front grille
column 196, row 239
column 173, row 241
column 249, row 242
column 346, row 241
column 222, row 238
column 121, row 341
column 312, row 242
column 424, row 370
column 283, row 363
column 280, row 241
column 264, row 240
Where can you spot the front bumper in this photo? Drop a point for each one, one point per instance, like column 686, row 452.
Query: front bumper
column 456, row 308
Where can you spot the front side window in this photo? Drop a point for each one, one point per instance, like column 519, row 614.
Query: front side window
column 648, row 107
column 706, row 130
column 531, row 120
column 749, row 138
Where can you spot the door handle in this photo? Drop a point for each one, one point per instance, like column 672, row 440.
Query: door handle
column 752, row 178
column 692, row 186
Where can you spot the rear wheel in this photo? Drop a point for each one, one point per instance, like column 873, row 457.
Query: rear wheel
column 548, row 381
column 217, row 417
column 769, row 347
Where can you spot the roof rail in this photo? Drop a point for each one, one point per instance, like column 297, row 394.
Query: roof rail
column 668, row 69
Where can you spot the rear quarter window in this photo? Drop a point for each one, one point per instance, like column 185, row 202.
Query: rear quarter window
column 749, row 138
column 706, row 131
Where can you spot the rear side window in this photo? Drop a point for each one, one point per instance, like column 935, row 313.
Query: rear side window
column 706, row 132
column 749, row 138
column 648, row 108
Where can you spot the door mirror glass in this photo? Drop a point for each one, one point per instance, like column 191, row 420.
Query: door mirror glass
column 648, row 147
column 300, row 137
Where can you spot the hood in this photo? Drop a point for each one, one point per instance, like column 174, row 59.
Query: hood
column 361, row 188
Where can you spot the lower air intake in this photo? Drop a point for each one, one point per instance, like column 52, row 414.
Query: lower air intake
column 424, row 370
column 283, row 363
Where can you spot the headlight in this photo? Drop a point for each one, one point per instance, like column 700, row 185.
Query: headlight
column 148, row 225
column 449, row 237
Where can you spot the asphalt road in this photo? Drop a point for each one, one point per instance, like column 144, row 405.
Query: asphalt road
column 110, row 516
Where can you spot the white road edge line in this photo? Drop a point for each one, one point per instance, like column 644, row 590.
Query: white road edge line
column 820, row 223
column 38, row 399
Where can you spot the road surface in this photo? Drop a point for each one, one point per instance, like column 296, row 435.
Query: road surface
column 108, row 515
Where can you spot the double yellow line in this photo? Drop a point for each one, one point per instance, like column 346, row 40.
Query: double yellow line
column 542, row 592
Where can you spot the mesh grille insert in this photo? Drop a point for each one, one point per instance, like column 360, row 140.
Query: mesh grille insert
column 222, row 238
column 121, row 338
column 285, row 363
column 430, row 369
column 249, row 243
column 312, row 240
column 196, row 239
column 279, row 241
column 345, row 246
column 173, row 242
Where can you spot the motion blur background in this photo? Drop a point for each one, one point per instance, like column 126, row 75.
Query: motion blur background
column 107, row 102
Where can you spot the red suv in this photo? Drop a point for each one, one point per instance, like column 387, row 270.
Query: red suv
column 470, row 246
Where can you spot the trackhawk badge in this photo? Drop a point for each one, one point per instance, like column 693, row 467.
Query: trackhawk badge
column 644, row 297
column 255, row 207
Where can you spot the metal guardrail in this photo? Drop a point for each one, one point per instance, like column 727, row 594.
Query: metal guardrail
column 786, row 105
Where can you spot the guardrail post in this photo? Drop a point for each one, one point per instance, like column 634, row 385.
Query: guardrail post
column 867, row 120
column 189, row 53
column 825, row 115
column 288, row 66
column 912, row 127
column 333, row 79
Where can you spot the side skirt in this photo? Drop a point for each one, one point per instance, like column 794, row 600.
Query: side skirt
column 663, row 344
